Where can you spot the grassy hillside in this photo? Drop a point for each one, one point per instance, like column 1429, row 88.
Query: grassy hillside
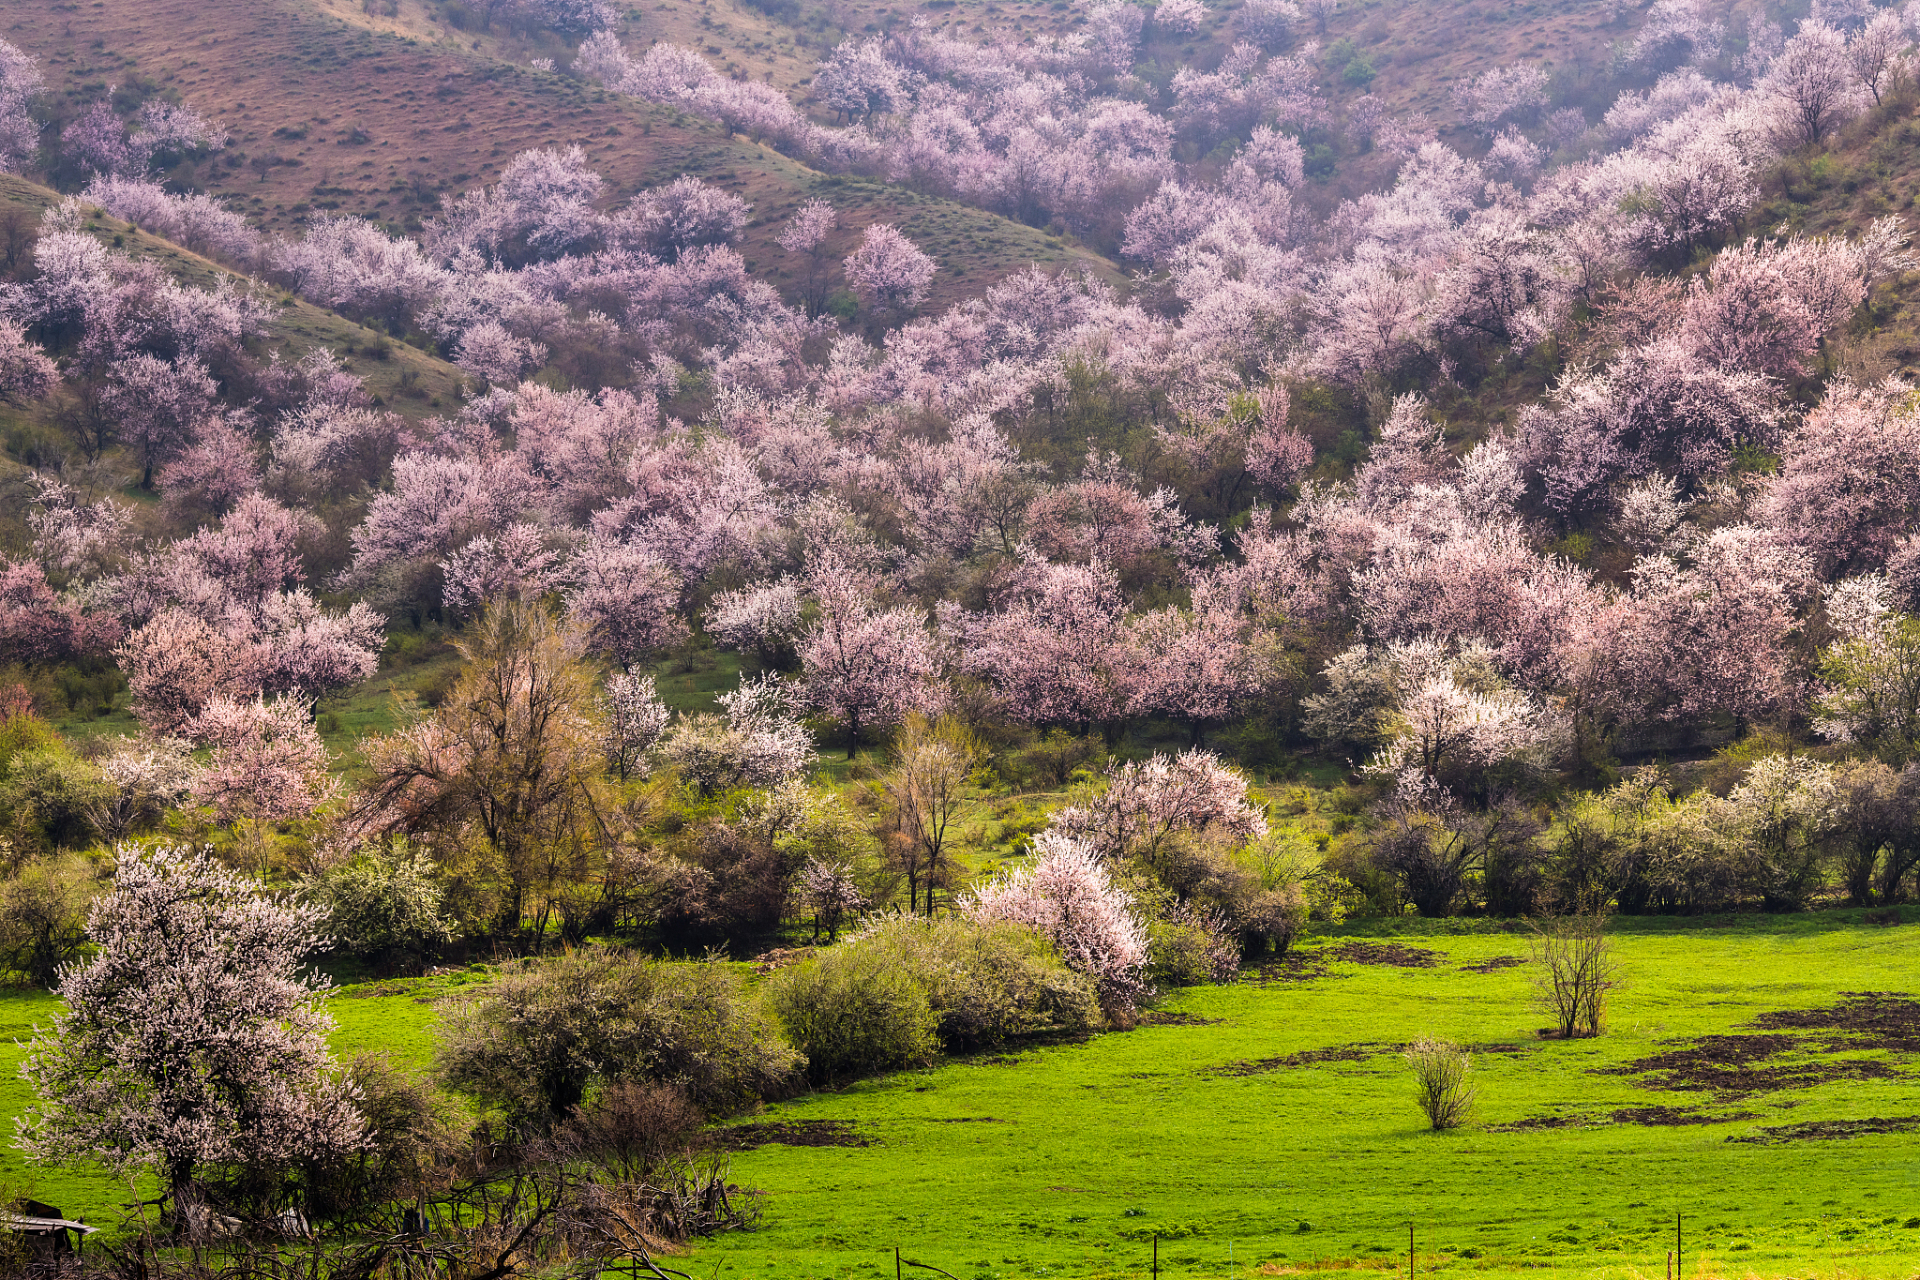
column 1269, row 1127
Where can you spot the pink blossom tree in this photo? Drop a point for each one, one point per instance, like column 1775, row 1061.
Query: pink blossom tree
column 518, row 564
column 1145, row 802
column 1708, row 637
column 684, row 214
column 635, row 720
column 20, row 83
column 1068, row 897
column 862, row 665
column 1848, row 487
column 158, row 402
column 1812, row 87
column 38, row 626
column 1202, row 666
column 177, row 663
column 26, row 372
column 626, row 599
column 762, row 621
column 806, row 234
column 268, row 763
column 888, row 273
column 212, row 474
column 1050, row 645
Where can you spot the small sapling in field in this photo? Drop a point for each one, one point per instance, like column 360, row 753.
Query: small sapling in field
column 1574, row 974
column 1442, row 1070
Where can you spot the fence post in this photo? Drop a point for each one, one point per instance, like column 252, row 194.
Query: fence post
column 1156, row 1255
column 1679, row 1247
column 896, row 1262
column 1410, row 1269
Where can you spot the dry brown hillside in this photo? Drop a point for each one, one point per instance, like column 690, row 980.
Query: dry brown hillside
column 327, row 114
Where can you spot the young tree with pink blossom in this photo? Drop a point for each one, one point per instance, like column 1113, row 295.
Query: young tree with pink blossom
column 626, row 599
column 269, row 766
column 1144, row 803
column 1068, row 896
column 807, row 234
column 888, row 273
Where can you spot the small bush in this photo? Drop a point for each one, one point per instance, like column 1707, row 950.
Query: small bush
column 1441, row 1070
column 547, row 1030
column 43, row 916
column 853, row 1012
column 634, row 1127
column 1187, row 948
column 49, row 795
column 986, row 983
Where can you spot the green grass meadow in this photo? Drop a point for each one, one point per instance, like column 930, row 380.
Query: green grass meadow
column 1066, row 1159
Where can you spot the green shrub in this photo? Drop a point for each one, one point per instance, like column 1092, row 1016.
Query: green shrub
column 1186, row 949
column 853, row 1012
column 545, row 1030
column 43, row 916
column 383, row 907
column 985, row 983
column 49, row 794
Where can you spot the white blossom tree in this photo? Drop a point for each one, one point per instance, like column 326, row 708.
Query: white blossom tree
column 194, row 1041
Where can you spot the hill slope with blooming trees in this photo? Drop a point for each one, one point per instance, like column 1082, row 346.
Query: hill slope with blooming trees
column 1542, row 453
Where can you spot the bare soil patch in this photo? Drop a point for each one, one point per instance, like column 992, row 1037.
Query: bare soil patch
column 1570, row 1120
column 1726, row 1067
column 1814, row 1129
column 1388, row 953
column 1495, row 965
column 1306, row 1058
column 1295, row 966
column 790, row 1133
column 1864, row 1019
column 1675, row 1115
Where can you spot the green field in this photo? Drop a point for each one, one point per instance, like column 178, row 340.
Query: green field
column 1226, row 1126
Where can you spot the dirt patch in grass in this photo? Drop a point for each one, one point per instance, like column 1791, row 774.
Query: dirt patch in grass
column 790, row 1133
column 1814, row 1129
column 1387, row 953
column 1726, row 1067
column 1571, row 1120
column 1495, row 965
column 1165, row 1018
column 1674, row 1115
column 1295, row 966
column 1306, row 1058
column 1864, row 1019
column 1663, row 1116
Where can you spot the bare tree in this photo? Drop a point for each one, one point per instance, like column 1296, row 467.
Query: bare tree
column 1442, row 1069
column 930, row 787
column 1575, row 972
column 513, row 755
